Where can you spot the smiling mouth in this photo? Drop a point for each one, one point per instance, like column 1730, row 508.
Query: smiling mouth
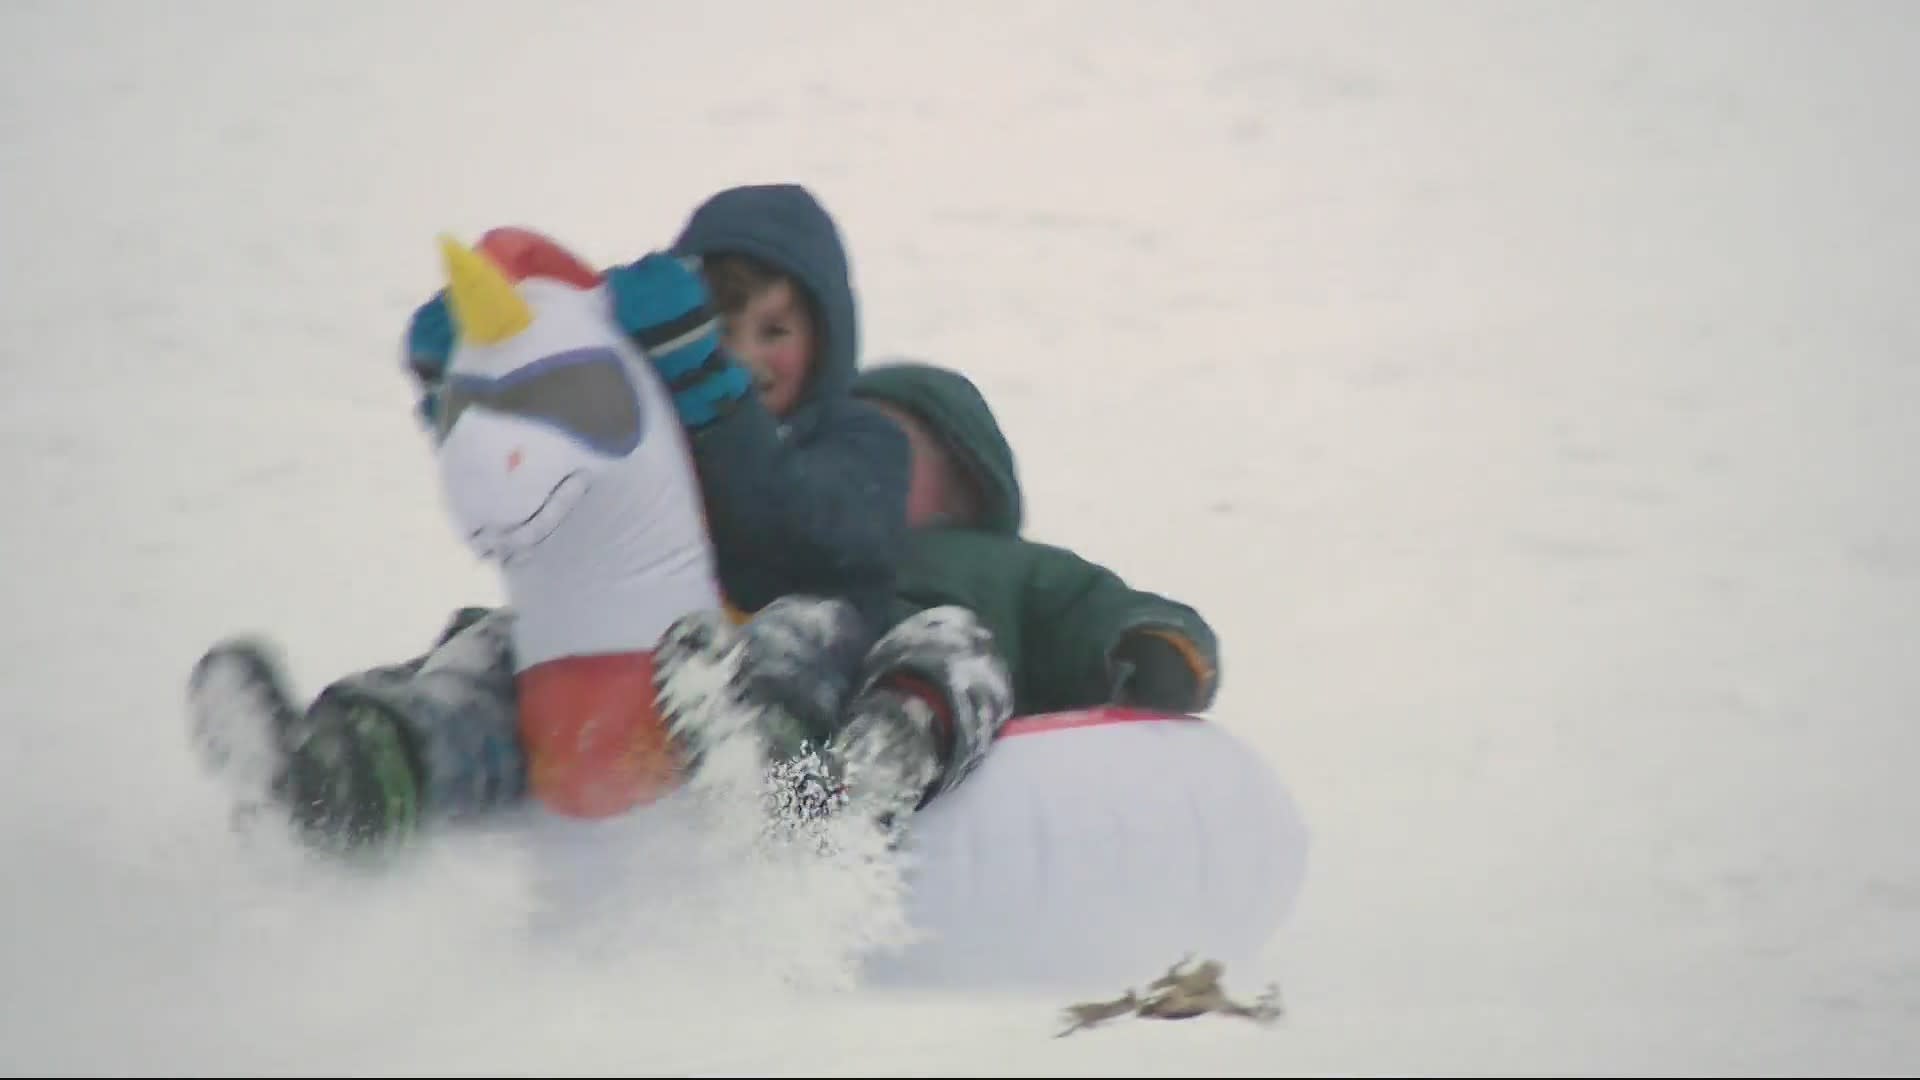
column 510, row 542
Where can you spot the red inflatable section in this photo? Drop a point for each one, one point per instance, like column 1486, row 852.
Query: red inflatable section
column 522, row 254
column 596, row 743
column 1097, row 716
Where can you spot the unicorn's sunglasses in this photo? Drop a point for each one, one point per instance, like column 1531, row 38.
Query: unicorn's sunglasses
column 586, row 394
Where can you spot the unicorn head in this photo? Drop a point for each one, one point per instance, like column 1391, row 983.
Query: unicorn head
column 561, row 457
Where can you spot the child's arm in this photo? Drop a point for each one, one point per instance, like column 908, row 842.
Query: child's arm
column 1090, row 637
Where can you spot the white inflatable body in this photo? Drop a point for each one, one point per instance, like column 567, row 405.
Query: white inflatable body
column 1091, row 849
column 1099, row 844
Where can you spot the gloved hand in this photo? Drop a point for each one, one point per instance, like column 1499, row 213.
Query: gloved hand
column 1150, row 671
column 429, row 348
column 662, row 302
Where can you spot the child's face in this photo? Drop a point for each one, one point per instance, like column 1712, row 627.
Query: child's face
column 937, row 492
column 773, row 335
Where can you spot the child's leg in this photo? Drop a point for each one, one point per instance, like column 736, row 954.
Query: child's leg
column 801, row 658
column 376, row 750
column 435, row 737
column 935, row 696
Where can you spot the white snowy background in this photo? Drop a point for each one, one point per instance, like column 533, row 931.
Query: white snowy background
column 1527, row 392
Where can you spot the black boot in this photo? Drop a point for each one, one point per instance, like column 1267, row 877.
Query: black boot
column 355, row 780
column 242, row 719
column 935, row 697
column 891, row 751
column 802, row 656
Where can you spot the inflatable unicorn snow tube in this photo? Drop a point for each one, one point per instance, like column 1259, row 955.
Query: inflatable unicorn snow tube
column 1094, row 843
column 562, row 460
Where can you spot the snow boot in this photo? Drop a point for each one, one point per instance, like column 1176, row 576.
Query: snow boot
column 936, row 696
column 242, row 719
column 355, row 780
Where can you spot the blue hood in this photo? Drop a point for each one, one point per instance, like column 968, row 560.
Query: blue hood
column 785, row 226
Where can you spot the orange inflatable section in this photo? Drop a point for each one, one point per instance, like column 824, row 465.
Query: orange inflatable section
column 596, row 743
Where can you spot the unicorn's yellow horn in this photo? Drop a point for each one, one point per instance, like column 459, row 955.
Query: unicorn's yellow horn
column 486, row 309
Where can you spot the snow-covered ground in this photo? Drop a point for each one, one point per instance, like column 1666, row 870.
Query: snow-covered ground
column 1527, row 392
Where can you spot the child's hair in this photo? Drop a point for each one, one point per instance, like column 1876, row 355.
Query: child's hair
column 735, row 279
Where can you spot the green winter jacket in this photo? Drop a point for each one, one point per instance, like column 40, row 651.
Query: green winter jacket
column 1059, row 620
